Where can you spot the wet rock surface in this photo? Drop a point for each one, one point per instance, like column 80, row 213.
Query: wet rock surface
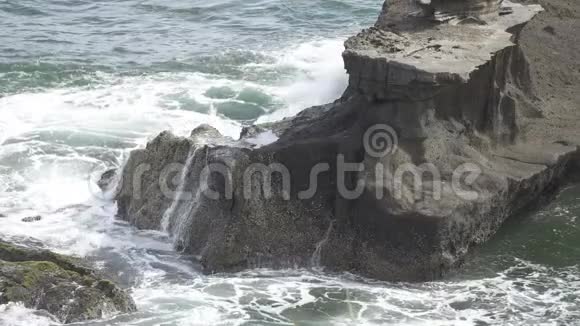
column 106, row 179
column 61, row 285
column 454, row 96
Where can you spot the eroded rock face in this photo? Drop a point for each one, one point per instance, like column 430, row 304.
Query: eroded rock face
column 60, row 285
column 460, row 7
column 451, row 96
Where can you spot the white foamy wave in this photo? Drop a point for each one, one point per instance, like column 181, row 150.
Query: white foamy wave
column 52, row 140
column 321, row 77
column 15, row 314
column 262, row 139
column 3, row 131
column 126, row 107
column 289, row 297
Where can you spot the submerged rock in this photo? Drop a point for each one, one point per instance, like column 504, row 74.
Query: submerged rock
column 60, row 285
column 30, row 219
column 422, row 158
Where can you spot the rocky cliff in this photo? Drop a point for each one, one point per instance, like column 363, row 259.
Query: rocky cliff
column 425, row 155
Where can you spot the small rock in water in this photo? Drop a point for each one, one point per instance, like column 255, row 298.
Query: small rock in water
column 63, row 286
column 251, row 131
column 3, row 216
column 205, row 131
column 30, row 219
column 106, row 179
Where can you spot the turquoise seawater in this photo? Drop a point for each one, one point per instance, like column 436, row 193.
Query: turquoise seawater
column 82, row 82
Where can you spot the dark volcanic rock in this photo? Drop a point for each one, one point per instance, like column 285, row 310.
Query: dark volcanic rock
column 58, row 284
column 450, row 97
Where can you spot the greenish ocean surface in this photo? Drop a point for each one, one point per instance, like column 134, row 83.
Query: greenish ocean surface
column 82, row 82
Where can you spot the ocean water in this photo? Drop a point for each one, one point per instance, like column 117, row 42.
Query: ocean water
column 82, row 82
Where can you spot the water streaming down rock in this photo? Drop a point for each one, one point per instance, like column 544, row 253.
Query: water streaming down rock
column 174, row 211
column 178, row 218
column 316, row 260
column 181, row 231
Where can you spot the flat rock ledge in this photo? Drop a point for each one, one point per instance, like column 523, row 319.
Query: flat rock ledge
column 59, row 285
column 449, row 169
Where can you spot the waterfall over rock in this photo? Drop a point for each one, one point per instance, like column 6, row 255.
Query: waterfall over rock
column 316, row 260
column 174, row 213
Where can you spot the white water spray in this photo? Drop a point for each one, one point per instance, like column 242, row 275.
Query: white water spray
column 316, row 260
column 180, row 195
